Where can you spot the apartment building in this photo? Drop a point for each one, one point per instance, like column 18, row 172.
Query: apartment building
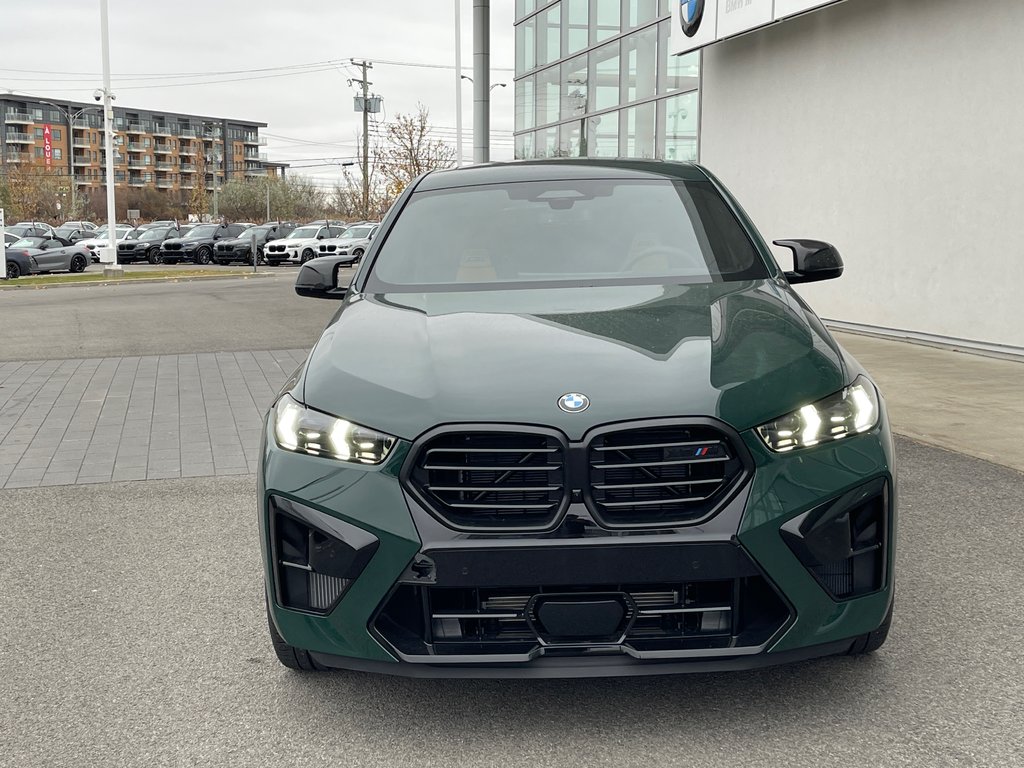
column 163, row 150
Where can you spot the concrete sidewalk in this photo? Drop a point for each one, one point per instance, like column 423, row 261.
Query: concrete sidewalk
column 66, row 422
column 963, row 402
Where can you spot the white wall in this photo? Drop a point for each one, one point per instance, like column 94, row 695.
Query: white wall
column 895, row 130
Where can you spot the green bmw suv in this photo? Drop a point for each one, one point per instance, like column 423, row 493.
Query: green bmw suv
column 571, row 419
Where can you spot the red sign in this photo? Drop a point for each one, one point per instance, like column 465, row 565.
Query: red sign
column 47, row 146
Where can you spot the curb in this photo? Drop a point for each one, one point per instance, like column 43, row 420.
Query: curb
column 133, row 281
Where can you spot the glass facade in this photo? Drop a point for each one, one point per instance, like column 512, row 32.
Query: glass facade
column 594, row 78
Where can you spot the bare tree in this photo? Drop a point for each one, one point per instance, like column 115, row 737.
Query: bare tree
column 197, row 202
column 408, row 149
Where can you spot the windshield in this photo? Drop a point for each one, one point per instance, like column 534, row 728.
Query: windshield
column 154, row 234
column 590, row 231
column 28, row 242
column 258, row 231
column 355, row 233
column 303, row 232
column 207, row 230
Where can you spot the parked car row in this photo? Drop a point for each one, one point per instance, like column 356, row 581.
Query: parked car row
column 74, row 244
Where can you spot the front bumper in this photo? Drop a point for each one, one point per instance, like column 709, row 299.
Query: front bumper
column 744, row 597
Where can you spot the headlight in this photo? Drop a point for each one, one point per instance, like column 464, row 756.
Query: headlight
column 303, row 430
column 848, row 412
column 188, row 246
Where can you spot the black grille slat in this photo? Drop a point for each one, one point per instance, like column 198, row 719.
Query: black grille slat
column 636, row 475
column 664, row 475
column 492, row 480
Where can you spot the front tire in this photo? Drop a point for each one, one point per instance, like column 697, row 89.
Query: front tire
column 78, row 263
column 13, row 270
column 307, row 255
column 289, row 655
column 203, row 255
column 874, row 640
column 153, row 257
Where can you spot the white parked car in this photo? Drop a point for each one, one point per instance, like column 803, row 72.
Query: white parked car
column 301, row 245
column 124, row 232
column 354, row 242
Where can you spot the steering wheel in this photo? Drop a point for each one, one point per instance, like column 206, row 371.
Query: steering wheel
column 675, row 257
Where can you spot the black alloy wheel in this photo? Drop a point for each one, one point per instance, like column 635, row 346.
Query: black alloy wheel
column 13, row 270
column 78, row 263
column 153, row 256
column 203, row 255
column 307, row 255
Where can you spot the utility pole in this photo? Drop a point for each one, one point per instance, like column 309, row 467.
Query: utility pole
column 365, row 65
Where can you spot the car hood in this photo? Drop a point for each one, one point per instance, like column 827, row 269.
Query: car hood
column 295, row 242
column 238, row 241
column 96, row 242
column 743, row 352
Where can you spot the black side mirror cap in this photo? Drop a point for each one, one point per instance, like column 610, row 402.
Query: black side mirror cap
column 813, row 260
column 318, row 278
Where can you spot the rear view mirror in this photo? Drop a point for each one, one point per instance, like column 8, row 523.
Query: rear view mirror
column 318, row 278
column 813, row 260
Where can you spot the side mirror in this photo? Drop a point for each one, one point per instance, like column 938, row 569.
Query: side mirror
column 318, row 278
column 319, row 237
column 813, row 260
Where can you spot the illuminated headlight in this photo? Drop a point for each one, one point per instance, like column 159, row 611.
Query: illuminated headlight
column 303, row 430
column 848, row 412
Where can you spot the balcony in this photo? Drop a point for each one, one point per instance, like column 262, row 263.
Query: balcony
column 165, row 166
column 137, row 164
column 81, row 142
column 186, row 133
column 186, row 185
column 136, row 181
column 17, row 157
column 187, row 168
column 161, row 130
column 186, row 149
column 163, row 149
column 20, row 138
column 16, row 116
column 138, row 128
column 164, row 184
column 81, row 160
column 136, row 147
column 255, row 171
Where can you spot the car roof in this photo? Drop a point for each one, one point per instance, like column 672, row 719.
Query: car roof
column 561, row 169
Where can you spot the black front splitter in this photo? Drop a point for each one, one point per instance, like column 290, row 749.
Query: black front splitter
column 594, row 666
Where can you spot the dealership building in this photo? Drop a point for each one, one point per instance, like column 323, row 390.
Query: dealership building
column 890, row 128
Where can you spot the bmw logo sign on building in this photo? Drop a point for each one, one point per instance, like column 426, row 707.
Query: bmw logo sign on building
column 690, row 14
column 573, row 402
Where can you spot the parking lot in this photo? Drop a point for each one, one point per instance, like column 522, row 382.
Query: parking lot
column 134, row 631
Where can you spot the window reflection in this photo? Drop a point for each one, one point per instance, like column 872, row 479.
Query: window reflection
column 680, row 128
column 604, row 76
column 605, row 15
column 549, row 35
column 574, row 87
column 639, row 65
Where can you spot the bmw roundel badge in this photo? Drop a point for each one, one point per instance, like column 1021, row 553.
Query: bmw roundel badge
column 573, row 402
column 690, row 14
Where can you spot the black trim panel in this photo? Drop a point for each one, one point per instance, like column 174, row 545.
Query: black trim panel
column 617, row 665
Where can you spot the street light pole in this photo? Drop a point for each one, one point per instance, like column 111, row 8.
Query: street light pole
column 458, row 85
column 110, row 254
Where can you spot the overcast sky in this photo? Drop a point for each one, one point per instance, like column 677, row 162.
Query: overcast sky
column 152, row 44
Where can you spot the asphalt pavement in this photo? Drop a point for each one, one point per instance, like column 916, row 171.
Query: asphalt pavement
column 160, row 318
column 134, row 635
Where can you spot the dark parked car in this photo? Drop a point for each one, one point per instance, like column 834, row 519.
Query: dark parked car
column 19, row 263
column 536, row 441
column 30, row 229
column 197, row 245
column 240, row 248
column 10, row 237
column 52, row 254
column 73, row 234
column 147, row 246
